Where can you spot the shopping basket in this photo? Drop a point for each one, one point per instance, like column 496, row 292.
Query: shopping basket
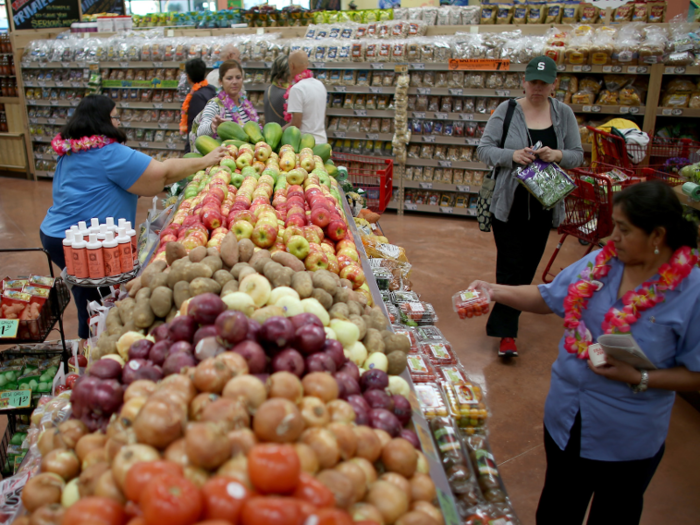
column 588, row 209
column 670, row 178
column 372, row 174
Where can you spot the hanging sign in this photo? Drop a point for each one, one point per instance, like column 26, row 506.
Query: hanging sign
column 479, row 64
column 93, row 7
column 43, row 14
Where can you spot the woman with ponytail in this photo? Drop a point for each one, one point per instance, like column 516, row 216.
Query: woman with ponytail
column 605, row 426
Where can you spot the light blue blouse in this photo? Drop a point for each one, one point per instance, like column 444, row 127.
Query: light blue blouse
column 618, row 425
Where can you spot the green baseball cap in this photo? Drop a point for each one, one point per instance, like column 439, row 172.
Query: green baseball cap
column 541, row 68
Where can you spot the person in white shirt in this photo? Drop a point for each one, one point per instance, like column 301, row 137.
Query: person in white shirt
column 306, row 101
column 228, row 52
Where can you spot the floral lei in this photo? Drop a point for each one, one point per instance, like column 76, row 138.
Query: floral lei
column 62, row 146
column 186, row 104
column 577, row 337
column 232, row 108
column 301, row 76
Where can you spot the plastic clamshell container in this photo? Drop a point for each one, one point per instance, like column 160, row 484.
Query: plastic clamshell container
column 393, row 313
column 431, row 400
column 428, row 333
column 466, row 405
column 438, row 352
column 453, row 374
column 471, row 303
column 420, row 369
column 383, row 278
column 399, row 297
column 419, row 311
column 408, row 332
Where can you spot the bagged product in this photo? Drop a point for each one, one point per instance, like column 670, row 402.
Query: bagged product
column 554, row 14
column 536, row 13
column 504, row 14
column 488, row 14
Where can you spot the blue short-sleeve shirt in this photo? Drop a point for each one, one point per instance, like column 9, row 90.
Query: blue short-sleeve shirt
column 94, row 183
column 617, row 424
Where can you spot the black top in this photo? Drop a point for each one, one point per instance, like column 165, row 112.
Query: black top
column 547, row 136
column 197, row 102
column 274, row 101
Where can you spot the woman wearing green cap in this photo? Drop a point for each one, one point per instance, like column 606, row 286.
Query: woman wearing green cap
column 521, row 225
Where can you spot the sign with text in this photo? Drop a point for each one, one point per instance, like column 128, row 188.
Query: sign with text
column 478, row 64
column 44, row 14
column 12, row 399
column 93, row 7
column 8, row 328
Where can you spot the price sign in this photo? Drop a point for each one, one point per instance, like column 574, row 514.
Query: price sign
column 59, row 83
column 319, row 65
column 632, row 69
column 143, row 144
column 123, row 64
column 677, row 112
column 411, row 206
column 126, row 124
column 466, row 116
column 595, row 109
column 171, row 145
column 472, row 212
column 8, row 328
column 157, row 64
column 464, row 189
column 163, row 126
column 268, row 64
column 360, row 112
column 373, row 89
column 587, row 109
column 377, row 65
column 472, row 142
column 340, row 134
column 373, row 136
column 417, row 66
column 425, row 185
column 634, row 110
column 458, row 92
column 340, row 89
column 481, row 64
column 607, row 69
column 74, row 102
column 441, row 116
column 418, row 114
column 642, row 70
column 577, row 69
column 51, row 120
column 561, row 68
column 503, row 92
column 33, row 120
column 65, row 64
column 124, row 104
column 586, row 68
column 12, row 399
column 54, row 102
column 446, row 209
column 624, row 110
column 674, row 70
column 423, row 91
column 428, row 138
column 94, row 67
column 445, row 163
column 76, row 84
column 401, row 68
column 158, row 105
column 41, row 83
column 666, row 112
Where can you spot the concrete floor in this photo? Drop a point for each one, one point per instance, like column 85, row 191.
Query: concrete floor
column 447, row 254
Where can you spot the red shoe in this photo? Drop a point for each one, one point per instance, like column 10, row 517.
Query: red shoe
column 507, row 348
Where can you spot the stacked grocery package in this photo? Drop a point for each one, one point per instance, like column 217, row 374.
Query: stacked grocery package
column 450, row 399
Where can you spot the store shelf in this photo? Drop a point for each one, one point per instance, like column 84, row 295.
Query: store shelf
column 54, row 103
column 464, row 92
column 178, row 146
column 425, row 208
column 359, row 135
column 41, row 138
column 608, row 110
column 360, row 113
column 151, row 125
column 677, row 112
column 439, row 186
column 625, row 70
column 149, row 105
column 389, row 90
column 56, row 83
column 447, row 163
column 44, row 174
column 103, row 65
column 437, row 139
column 9, row 100
column 681, row 70
column 437, row 115
column 48, row 120
column 45, row 156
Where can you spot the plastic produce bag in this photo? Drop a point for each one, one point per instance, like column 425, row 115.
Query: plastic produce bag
column 546, row 181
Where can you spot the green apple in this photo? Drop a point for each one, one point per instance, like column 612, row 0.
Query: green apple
column 240, row 301
column 244, row 160
column 242, row 229
column 237, row 179
column 298, row 246
column 282, row 291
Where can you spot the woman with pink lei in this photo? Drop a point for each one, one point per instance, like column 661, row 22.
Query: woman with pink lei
column 229, row 105
column 98, row 176
column 605, row 425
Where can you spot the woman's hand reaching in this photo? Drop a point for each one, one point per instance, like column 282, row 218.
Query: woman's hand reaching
column 215, row 122
column 523, row 156
column 548, row 154
column 617, row 371
column 213, row 158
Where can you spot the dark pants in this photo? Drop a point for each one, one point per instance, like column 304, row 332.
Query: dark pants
column 520, row 243
column 617, row 487
column 82, row 296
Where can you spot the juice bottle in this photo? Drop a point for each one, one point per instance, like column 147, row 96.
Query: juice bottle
column 126, row 260
column 68, row 251
column 110, row 249
column 95, row 258
column 80, row 264
column 132, row 235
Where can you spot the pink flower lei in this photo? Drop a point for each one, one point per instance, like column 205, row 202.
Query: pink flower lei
column 67, row 146
column 577, row 337
column 232, row 108
column 301, row 76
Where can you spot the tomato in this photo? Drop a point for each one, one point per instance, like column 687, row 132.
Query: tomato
column 332, row 517
column 214, row 522
column 313, row 491
column 366, row 522
column 95, row 510
column 137, row 521
column 171, row 500
column 271, row 510
column 274, row 469
column 223, row 498
column 71, row 379
column 141, row 473
column 61, row 388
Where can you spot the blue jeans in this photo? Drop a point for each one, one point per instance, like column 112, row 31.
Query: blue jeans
column 82, row 296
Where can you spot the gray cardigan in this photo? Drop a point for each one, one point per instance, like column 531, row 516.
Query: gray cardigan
column 489, row 152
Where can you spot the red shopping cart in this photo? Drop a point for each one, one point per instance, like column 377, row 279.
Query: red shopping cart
column 670, row 178
column 588, row 209
column 372, row 174
column 613, row 150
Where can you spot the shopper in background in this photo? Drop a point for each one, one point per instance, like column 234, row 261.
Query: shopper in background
column 520, row 224
column 98, row 176
column 605, row 426
column 229, row 105
column 306, row 99
column 197, row 98
column 228, row 52
column 274, row 100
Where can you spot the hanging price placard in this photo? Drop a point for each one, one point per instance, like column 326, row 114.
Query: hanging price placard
column 12, row 399
column 480, row 64
column 8, row 328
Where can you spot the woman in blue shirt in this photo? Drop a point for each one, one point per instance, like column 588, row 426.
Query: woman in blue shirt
column 605, row 426
column 98, row 176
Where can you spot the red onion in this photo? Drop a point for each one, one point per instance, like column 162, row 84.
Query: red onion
column 384, row 420
column 105, row 369
column 402, row 408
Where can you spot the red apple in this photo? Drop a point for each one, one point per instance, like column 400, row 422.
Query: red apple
column 336, row 230
column 330, row 243
column 351, row 253
column 354, row 274
column 343, row 261
column 333, row 265
column 316, row 260
column 319, row 231
column 295, row 199
column 295, row 189
column 320, row 217
column 212, row 219
column 264, row 235
column 290, row 231
column 311, row 235
column 297, row 220
column 346, row 243
column 217, row 192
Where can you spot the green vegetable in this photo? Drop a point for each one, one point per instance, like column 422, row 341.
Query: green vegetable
column 324, row 151
column 231, row 130
column 273, row 134
column 252, row 129
column 292, row 136
column 206, row 145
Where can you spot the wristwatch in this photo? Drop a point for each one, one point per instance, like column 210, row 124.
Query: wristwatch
column 643, row 384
